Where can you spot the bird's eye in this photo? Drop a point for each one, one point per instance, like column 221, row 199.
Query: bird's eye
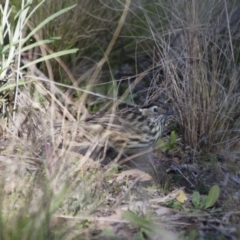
column 155, row 109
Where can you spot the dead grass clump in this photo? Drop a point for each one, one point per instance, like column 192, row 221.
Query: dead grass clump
column 199, row 69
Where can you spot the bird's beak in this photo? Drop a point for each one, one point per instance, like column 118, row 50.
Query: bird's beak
column 169, row 112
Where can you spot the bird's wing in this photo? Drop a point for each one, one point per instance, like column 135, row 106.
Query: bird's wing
column 113, row 122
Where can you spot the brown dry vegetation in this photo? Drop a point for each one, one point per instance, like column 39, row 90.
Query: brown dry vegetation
column 184, row 53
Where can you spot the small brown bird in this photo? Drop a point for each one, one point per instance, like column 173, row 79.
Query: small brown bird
column 128, row 131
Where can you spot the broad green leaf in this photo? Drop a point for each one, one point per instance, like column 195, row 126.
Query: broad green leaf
column 212, row 196
column 196, row 199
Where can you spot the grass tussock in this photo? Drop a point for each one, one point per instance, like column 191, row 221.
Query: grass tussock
column 202, row 78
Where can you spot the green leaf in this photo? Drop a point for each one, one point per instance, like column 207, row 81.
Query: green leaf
column 212, row 196
column 109, row 233
column 50, row 56
column 58, row 200
column 10, row 86
column 141, row 222
column 172, row 139
column 196, row 199
column 38, row 43
column 47, row 20
column 163, row 146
